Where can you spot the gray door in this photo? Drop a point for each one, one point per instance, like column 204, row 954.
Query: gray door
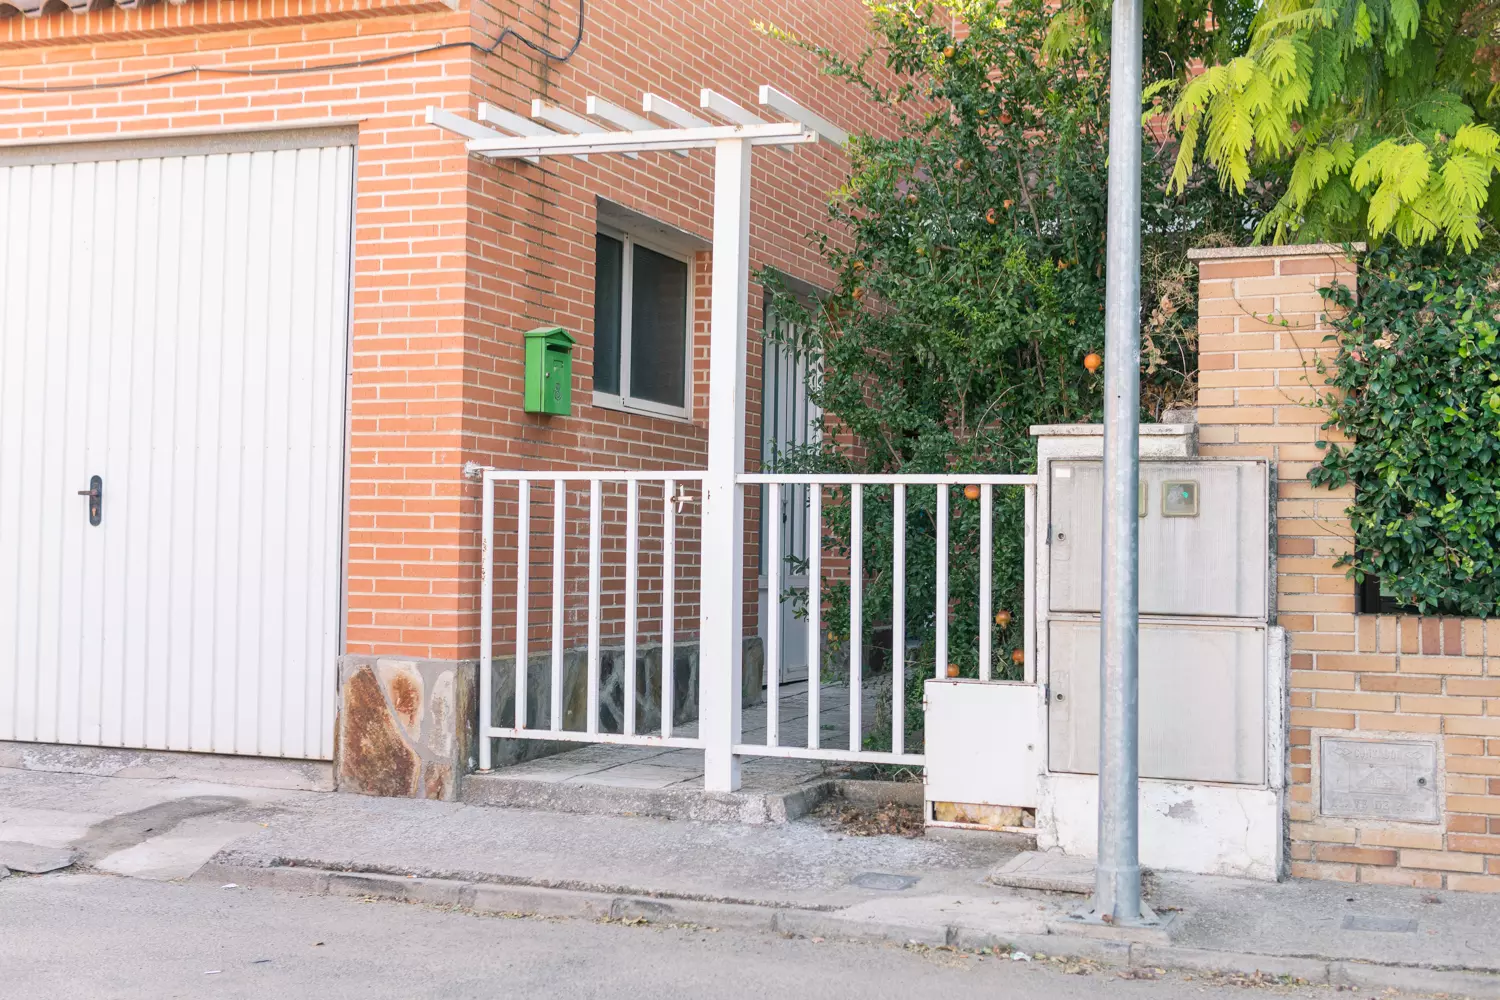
column 788, row 422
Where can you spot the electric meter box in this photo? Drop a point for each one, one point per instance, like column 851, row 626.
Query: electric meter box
column 549, row 371
column 1202, row 700
column 1204, row 530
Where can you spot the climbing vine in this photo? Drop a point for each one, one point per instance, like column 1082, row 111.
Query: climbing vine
column 1418, row 367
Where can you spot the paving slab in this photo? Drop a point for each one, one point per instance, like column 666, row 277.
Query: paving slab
column 1045, row 870
column 34, row 859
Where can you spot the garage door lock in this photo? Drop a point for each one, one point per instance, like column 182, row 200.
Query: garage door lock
column 95, row 493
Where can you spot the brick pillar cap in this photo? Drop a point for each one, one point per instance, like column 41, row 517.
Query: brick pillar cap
column 1288, row 250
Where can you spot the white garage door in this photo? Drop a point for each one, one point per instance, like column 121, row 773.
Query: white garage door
column 174, row 322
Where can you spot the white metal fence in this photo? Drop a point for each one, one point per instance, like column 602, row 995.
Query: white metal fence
column 511, row 498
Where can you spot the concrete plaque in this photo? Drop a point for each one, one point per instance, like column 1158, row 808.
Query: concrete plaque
column 1389, row 780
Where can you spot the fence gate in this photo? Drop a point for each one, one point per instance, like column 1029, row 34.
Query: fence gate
column 628, row 546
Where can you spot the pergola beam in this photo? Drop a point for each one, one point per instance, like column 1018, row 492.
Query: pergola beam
column 630, row 142
column 598, row 107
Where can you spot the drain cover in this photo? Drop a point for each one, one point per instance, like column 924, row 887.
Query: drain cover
column 1389, row 925
column 884, row 881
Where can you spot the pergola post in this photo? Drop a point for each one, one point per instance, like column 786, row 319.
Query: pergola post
column 721, row 643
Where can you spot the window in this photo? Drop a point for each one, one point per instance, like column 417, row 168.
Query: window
column 642, row 297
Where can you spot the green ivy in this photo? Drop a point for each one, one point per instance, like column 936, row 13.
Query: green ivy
column 1419, row 370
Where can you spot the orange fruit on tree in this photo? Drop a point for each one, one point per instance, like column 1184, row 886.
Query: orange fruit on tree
column 953, row 670
column 971, row 491
column 1018, row 657
column 912, row 199
column 948, row 52
column 858, row 293
column 992, row 216
column 1002, row 618
column 1093, row 362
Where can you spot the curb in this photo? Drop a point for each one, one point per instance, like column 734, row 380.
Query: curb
column 539, row 901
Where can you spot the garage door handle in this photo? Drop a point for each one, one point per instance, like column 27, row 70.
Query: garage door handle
column 95, row 493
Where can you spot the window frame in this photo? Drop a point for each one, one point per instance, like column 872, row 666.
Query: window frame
column 623, row 400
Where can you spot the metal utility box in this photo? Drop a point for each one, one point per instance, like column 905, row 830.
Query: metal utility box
column 1203, row 537
column 1202, row 700
column 549, row 371
column 983, row 744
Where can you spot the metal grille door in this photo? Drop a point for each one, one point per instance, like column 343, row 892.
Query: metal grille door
column 173, row 331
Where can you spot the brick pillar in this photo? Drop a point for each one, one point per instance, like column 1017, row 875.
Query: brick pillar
column 1421, row 685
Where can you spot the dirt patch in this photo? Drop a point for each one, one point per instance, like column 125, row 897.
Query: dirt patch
column 890, row 819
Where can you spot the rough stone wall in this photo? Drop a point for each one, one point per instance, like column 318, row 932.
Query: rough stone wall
column 406, row 727
column 1405, row 689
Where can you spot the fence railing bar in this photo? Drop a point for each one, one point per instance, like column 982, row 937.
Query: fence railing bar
column 772, row 520
column 668, row 603
column 632, row 572
column 523, row 600
column 856, row 613
column 597, row 475
column 898, row 620
column 814, row 615
column 1028, row 632
column 486, row 615
column 596, row 529
column 559, row 586
column 577, row 736
column 941, row 611
column 876, row 479
column 864, row 756
column 986, row 555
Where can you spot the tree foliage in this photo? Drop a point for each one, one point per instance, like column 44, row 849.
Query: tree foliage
column 1378, row 114
column 1419, row 374
column 970, row 283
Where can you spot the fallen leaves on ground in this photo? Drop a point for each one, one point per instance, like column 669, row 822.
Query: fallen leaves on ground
column 872, row 821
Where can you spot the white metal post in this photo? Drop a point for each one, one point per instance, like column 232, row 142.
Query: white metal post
column 523, row 600
column 721, row 626
column 632, row 571
column 986, row 568
column 486, row 618
column 941, row 611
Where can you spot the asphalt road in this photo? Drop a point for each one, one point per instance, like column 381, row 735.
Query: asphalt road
column 87, row 936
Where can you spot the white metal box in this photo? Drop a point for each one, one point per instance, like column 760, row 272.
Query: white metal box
column 1202, row 701
column 1203, row 537
column 983, row 742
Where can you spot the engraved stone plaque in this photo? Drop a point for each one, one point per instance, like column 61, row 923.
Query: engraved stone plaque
column 1365, row 779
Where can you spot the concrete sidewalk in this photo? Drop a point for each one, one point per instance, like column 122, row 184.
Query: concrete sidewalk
column 801, row 878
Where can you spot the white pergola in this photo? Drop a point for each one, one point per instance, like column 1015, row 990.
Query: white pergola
column 732, row 131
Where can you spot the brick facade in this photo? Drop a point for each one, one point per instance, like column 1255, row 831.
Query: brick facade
column 1378, row 677
column 454, row 256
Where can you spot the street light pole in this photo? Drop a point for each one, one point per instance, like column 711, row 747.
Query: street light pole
column 1117, row 884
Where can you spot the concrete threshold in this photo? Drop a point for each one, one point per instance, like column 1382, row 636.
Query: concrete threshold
column 682, row 803
column 1022, row 935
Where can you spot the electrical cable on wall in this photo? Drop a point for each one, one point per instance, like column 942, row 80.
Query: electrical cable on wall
column 253, row 71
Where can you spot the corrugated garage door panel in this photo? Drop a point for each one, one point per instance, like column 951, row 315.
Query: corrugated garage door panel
column 176, row 324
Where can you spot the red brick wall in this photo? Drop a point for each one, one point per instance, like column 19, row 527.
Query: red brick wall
column 454, row 256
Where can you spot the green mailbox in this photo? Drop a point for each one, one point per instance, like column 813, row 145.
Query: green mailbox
column 549, row 371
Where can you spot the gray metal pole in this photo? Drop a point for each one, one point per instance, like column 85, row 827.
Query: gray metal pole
column 1117, row 888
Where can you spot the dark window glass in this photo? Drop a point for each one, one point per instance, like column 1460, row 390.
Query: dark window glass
column 658, row 329
column 608, row 267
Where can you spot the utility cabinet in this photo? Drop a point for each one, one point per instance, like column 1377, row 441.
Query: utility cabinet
column 1203, row 531
column 549, row 371
column 1205, row 690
